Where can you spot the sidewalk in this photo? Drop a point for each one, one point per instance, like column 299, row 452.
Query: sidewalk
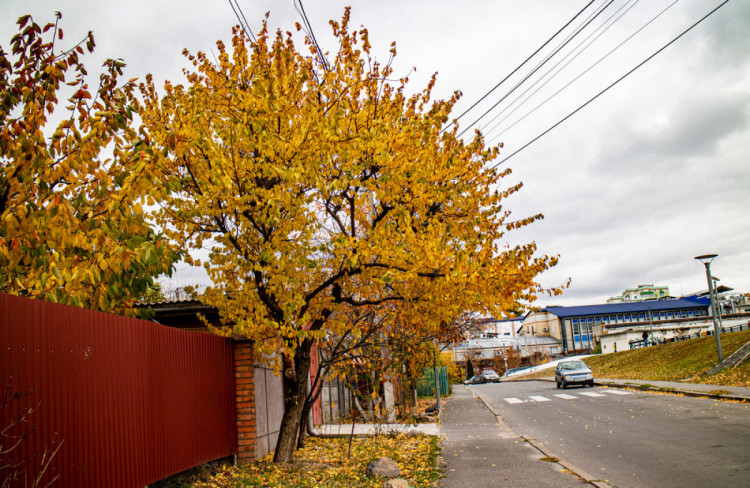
column 478, row 451
column 691, row 389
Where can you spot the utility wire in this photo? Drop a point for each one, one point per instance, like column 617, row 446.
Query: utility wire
column 309, row 31
column 575, row 52
column 611, row 85
column 581, row 74
column 570, row 38
column 242, row 20
column 519, row 66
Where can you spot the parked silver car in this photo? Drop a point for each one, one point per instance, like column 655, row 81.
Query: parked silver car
column 476, row 380
column 491, row 376
column 573, row 372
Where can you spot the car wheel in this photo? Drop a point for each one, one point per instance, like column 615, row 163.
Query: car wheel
column 558, row 384
column 564, row 384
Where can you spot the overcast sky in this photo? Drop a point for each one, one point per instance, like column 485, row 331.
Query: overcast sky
column 632, row 187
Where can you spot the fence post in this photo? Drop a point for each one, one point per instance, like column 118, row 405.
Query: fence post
column 244, row 381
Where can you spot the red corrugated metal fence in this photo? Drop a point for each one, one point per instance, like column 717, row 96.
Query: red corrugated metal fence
column 127, row 401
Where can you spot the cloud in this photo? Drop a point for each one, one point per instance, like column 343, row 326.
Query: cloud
column 692, row 128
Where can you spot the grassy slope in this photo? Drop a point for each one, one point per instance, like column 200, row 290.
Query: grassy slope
column 673, row 361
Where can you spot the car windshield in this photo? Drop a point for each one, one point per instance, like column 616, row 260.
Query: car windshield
column 573, row 365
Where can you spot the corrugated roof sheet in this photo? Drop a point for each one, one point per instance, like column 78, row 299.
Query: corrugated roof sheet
column 628, row 307
column 507, row 342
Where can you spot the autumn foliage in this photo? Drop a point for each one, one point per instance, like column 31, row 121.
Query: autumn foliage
column 321, row 188
column 72, row 185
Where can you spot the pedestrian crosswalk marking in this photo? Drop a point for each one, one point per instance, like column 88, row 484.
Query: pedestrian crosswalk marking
column 540, row 399
column 565, row 396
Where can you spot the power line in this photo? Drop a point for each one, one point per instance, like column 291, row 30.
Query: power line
column 309, row 31
column 242, row 20
column 519, row 66
column 611, row 85
column 557, row 50
column 575, row 52
column 582, row 73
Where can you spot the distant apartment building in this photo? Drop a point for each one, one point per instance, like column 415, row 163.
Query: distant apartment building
column 641, row 293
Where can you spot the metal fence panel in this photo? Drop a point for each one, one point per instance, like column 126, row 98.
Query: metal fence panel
column 426, row 384
column 126, row 401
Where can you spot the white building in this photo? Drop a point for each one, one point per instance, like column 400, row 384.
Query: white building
column 641, row 293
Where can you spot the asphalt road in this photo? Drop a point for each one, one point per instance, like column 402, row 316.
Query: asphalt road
column 628, row 438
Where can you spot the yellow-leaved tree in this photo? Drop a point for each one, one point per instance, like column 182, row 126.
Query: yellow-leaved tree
column 72, row 226
column 321, row 188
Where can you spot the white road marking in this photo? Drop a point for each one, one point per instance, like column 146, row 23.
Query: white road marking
column 513, row 400
column 618, row 392
column 566, row 397
column 540, row 399
column 591, row 394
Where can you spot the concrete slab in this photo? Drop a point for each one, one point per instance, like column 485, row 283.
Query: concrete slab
column 375, row 429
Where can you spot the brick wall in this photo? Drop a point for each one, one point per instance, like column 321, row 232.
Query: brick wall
column 244, row 374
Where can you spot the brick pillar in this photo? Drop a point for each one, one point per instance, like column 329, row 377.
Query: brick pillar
column 244, row 380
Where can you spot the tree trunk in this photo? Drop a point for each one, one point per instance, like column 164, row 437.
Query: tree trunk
column 294, row 400
column 309, row 400
column 312, row 396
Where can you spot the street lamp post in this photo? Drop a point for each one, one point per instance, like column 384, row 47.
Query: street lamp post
column 706, row 260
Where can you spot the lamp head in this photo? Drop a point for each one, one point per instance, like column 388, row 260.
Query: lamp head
column 706, row 258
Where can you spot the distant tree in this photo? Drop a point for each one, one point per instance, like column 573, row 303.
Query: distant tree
column 73, row 227
column 322, row 188
column 469, row 369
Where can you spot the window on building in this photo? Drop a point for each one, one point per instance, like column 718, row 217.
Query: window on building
column 683, row 313
column 690, row 313
column 619, row 319
column 641, row 317
column 663, row 315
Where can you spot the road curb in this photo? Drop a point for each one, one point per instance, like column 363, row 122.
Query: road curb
column 547, row 453
column 655, row 388
column 690, row 393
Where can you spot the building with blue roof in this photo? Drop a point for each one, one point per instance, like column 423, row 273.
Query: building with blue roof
column 580, row 328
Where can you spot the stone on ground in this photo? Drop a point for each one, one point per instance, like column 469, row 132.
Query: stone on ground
column 396, row 483
column 384, row 466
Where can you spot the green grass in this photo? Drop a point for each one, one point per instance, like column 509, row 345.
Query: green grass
column 671, row 362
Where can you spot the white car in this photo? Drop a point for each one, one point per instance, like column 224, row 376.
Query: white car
column 573, row 372
column 491, row 376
